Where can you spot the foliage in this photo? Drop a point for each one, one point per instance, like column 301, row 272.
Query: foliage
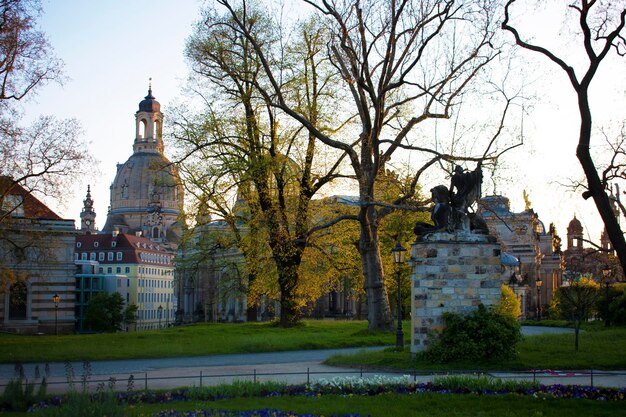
column 248, row 164
column 510, row 305
column 482, row 383
column 19, row 393
column 105, row 312
column 479, row 336
column 577, row 302
column 617, row 310
column 130, row 314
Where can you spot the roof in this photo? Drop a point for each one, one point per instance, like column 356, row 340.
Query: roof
column 134, row 249
column 31, row 206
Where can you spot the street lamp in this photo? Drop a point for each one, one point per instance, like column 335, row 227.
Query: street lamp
column 56, row 299
column 538, row 282
column 160, row 313
column 606, row 273
column 398, row 258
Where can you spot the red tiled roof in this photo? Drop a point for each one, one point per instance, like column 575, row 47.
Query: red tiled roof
column 131, row 247
column 33, row 208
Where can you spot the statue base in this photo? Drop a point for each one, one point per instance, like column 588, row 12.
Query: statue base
column 452, row 272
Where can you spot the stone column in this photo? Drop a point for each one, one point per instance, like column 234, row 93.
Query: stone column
column 452, row 272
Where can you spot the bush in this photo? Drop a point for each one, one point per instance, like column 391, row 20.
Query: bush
column 510, row 305
column 479, row 336
column 617, row 310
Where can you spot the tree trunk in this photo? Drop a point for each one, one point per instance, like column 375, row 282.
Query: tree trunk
column 576, row 333
column 378, row 311
column 594, row 183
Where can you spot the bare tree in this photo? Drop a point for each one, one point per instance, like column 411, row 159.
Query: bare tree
column 41, row 157
column 401, row 62
column 601, row 30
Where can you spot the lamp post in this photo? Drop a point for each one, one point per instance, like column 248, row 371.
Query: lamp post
column 606, row 273
column 398, row 258
column 538, row 283
column 160, row 313
column 56, row 299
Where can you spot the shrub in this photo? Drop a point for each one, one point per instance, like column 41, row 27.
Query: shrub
column 509, row 303
column 617, row 310
column 482, row 335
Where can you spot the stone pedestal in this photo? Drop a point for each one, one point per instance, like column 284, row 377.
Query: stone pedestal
column 452, row 272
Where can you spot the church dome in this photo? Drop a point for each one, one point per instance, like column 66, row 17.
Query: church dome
column 146, row 176
column 149, row 103
column 575, row 227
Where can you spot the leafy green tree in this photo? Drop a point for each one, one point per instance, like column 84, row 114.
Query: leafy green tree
column 577, row 302
column 130, row 314
column 105, row 312
column 246, row 163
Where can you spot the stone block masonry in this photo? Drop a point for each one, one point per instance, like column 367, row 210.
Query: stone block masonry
column 451, row 273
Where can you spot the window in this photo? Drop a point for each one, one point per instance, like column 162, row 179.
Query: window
column 78, row 244
column 83, row 256
column 109, row 270
column 110, row 256
column 113, row 244
column 101, row 256
column 101, row 270
column 92, row 256
column 119, row 256
column 118, row 270
column 96, row 244
column 127, row 270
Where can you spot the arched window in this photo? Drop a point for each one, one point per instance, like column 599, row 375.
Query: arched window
column 157, row 129
column 143, row 128
column 18, row 298
column 155, row 233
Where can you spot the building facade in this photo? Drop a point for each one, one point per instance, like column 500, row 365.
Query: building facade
column 538, row 271
column 37, row 268
column 136, row 267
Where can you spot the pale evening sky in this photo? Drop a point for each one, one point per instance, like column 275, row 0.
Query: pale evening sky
column 112, row 48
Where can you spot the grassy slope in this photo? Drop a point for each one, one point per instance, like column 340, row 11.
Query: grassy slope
column 599, row 349
column 201, row 339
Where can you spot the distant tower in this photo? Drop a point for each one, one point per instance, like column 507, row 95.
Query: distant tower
column 88, row 215
column 575, row 234
column 147, row 194
column 149, row 125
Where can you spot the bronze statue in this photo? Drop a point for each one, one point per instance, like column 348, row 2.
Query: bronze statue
column 450, row 211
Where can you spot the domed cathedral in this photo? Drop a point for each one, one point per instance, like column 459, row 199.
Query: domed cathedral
column 147, row 194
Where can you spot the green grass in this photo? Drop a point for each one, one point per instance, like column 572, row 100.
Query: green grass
column 422, row 405
column 599, row 349
column 193, row 340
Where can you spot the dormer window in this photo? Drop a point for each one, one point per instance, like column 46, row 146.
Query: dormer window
column 96, row 244
column 78, row 244
column 113, row 244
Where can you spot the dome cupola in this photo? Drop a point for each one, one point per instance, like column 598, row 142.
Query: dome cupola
column 148, row 125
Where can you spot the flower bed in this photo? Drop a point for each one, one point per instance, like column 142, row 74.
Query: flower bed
column 481, row 385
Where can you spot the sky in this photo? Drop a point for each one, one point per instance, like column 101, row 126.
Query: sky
column 112, row 48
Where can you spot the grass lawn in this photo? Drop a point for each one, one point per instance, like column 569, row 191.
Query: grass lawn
column 193, row 340
column 385, row 405
column 599, row 349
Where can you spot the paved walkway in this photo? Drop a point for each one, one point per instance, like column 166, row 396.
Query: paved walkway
column 291, row 367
